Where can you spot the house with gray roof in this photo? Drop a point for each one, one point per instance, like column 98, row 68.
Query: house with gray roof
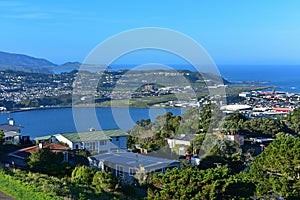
column 126, row 164
column 12, row 133
column 101, row 141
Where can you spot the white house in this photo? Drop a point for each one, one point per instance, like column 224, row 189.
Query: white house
column 182, row 140
column 95, row 141
column 12, row 133
column 238, row 138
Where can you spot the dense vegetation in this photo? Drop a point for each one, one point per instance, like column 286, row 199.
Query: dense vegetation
column 226, row 171
column 273, row 173
column 34, row 186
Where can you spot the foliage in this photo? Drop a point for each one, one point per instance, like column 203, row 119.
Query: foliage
column 2, row 139
column 210, row 118
column 293, row 121
column 141, row 176
column 83, row 175
column 195, row 184
column 216, row 151
column 47, row 162
column 233, row 123
column 105, row 181
column 276, row 171
column 24, row 185
column 151, row 135
column 263, row 127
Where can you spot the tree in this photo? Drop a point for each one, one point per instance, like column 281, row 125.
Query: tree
column 233, row 123
column 210, row 118
column 223, row 151
column 141, row 176
column 263, row 127
column 276, row 171
column 216, row 183
column 47, row 162
column 106, row 181
column 2, row 137
column 292, row 120
column 83, row 175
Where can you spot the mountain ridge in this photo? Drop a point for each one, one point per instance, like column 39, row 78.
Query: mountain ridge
column 22, row 62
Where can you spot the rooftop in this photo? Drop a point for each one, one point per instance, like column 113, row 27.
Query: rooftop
column 25, row 152
column 93, row 135
column 47, row 137
column 8, row 127
column 150, row 163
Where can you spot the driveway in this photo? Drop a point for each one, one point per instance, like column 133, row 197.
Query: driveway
column 5, row 197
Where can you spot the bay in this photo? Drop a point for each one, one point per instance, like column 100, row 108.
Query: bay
column 43, row 122
column 285, row 77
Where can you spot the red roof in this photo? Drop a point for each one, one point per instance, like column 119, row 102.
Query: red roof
column 266, row 93
column 283, row 109
column 25, row 152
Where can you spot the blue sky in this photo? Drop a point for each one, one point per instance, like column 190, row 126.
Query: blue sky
column 233, row 32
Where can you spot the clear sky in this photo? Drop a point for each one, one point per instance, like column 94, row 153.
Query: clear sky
column 233, row 32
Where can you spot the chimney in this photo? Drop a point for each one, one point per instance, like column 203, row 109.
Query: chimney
column 91, row 129
column 11, row 121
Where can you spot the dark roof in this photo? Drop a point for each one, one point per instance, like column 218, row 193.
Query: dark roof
column 8, row 127
column 150, row 163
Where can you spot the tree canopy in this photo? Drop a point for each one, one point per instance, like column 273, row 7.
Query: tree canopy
column 276, row 171
column 47, row 162
column 2, row 137
column 293, row 121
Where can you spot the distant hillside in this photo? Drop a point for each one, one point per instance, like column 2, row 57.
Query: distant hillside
column 67, row 67
column 20, row 62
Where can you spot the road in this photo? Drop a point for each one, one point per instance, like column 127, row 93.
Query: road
column 5, row 197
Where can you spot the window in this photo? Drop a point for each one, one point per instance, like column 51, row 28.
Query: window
column 102, row 142
column 76, row 146
column 119, row 171
column 131, row 171
column 117, row 138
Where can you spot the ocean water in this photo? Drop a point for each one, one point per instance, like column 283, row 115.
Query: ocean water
column 287, row 78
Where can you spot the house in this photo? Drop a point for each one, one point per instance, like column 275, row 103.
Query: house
column 12, row 133
column 237, row 138
column 181, row 141
column 95, row 141
column 17, row 158
column 126, row 164
column 45, row 139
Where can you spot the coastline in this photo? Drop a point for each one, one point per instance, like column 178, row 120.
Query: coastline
column 87, row 106
column 128, row 106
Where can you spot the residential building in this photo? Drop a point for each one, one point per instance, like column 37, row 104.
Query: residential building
column 126, row 164
column 181, row 141
column 95, row 141
column 17, row 158
column 12, row 133
column 237, row 138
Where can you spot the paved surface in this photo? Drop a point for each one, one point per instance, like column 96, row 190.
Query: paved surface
column 5, row 197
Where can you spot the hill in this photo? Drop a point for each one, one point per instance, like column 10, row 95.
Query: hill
column 20, row 62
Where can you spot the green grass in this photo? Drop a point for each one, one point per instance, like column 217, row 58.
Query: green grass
column 22, row 190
